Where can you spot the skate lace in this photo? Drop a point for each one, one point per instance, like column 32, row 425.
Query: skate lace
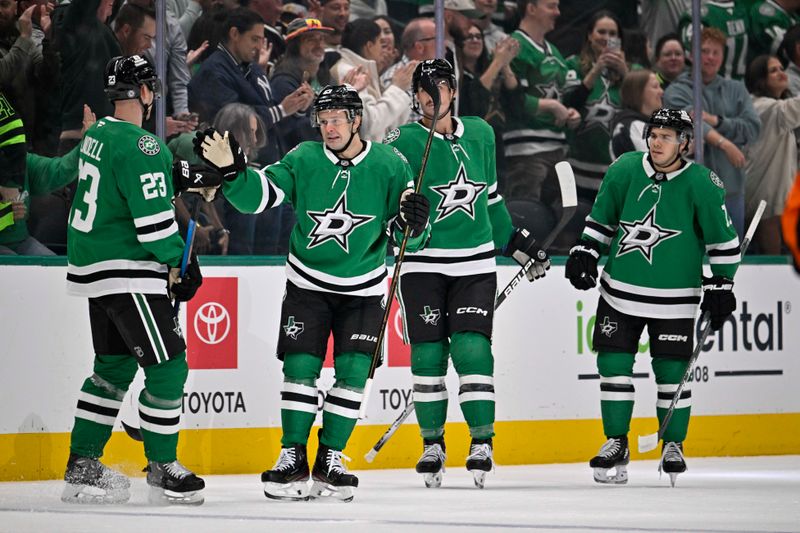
column 480, row 451
column 286, row 460
column 610, row 448
column 176, row 470
column 672, row 452
column 335, row 464
column 432, row 453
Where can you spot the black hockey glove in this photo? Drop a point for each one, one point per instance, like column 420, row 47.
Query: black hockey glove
column 581, row 269
column 220, row 151
column 718, row 299
column 414, row 210
column 195, row 178
column 522, row 247
column 183, row 288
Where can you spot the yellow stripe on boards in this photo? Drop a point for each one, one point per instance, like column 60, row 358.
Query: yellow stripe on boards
column 34, row 456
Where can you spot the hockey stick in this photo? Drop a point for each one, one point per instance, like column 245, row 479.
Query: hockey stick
column 650, row 442
column 432, row 89
column 134, row 432
column 569, row 201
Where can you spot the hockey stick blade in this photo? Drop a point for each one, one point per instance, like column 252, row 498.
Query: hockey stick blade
column 134, row 433
column 569, row 202
column 647, row 443
column 370, row 455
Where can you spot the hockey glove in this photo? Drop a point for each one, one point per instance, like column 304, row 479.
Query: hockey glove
column 195, row 178
column 522, row 247
column 414, row 210
column 718, row 299
column 221, row 152
column 183, row 288
column 581, row 269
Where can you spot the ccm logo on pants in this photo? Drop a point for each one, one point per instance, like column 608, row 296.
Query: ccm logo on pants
column 673, row 338
column 471, row 310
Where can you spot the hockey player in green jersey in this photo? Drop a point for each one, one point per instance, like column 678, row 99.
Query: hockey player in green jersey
column 656, row 216
column 349, row 196
column 447, row 290
column 123, row 254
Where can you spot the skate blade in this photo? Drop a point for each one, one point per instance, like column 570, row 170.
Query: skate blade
column 160, row 496
column 479, row 477
column 433, row 480
column 296, row 491
column 85, row 494
column 325, row 491
column 620, row 476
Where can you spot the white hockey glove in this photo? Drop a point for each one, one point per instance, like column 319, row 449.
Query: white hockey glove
column 220, row 151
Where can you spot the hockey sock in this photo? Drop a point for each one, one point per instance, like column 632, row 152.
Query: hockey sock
column 299, row 396
column 428, row 368
column 160, row 407
column 669, row 371
column 340, row 412
column 99, row 403
column 616, row 391
column 473, row 361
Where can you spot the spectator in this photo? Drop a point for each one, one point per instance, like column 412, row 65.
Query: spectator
column 659, row 17
column 388, row 47
column 769, row 20
column 458, row 17
column 231, row 74
column 535, row 140
column 729, row 121
column 772, row 160
column 367, row 9
column 492, row 33
column 334, row 14
column 188, row 11
column 135, row 28
column 637, row 48
column 640, row 96
column 670, row 59
column 206, row 33
column 731, row 19
column 270, row 11
column 383, row 109
column 790, row 51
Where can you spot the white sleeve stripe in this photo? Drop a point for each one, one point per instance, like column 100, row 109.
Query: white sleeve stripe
column 158, row 235
column 599, row 237
column 733, row 243
column 725, row 260
column 153, row 219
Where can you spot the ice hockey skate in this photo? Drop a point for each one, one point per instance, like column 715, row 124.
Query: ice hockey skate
column 172, row 483
column 90, row 481
column 431, row 464
column 288, row 479
column 331, row 478
column 479, row 460
column 614, row 454
column 672, row 461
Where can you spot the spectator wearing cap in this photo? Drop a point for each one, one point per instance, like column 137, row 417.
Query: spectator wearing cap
column 232, row 74
column 458, row 17
column 383, row 109
column 492, row 33
column 418, row 43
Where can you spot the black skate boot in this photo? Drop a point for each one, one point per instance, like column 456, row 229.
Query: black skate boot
column 174, row 483
column 479, row 460
column 613, row 454
column 431, row 464
column 288, row 479
column 672, row 461
column 331, row 478
column 90, row 481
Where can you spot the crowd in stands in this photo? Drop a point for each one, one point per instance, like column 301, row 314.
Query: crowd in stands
column 555, row 80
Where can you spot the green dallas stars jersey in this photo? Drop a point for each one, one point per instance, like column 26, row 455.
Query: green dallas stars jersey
column 468, row 215
column 656, row 235
column 343, row 211
column 543, row 73
column 122, row 235
column 729, row 17
column 768, row 25
column 589, row 152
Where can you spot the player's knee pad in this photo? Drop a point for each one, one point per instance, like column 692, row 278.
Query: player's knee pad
column 165, row 380
column 114, row 372
column 669, row 369
column 429, row 358
column 471, row 353
column 302, row 368
column 352, row 370
column 615, row 364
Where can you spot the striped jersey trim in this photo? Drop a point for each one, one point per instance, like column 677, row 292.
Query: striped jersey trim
column 98, row 409
column 724, row 253
column 494, row 194
column 667, row 391
column 150, row 327
column 155, row 227
column 649, row 302
column 369, row 284
column 117, row 276
column 602, row 233
column 272, row 195
column 529, row 142
column 452, row 262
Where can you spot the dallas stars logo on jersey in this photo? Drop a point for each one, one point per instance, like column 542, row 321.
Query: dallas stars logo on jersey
column 431, row 316
column 643, row 236
column 607, row 327
column 458, row 194
column 335, row 224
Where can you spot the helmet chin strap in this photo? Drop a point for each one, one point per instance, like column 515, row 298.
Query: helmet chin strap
column 347, row 145
column 672, row 162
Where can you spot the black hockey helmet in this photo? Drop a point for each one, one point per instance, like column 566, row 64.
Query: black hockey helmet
column 435, row 69
column 337, row 97
column 676, row 119
column 126, row 74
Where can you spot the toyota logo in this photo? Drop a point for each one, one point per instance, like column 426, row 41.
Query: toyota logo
column 212, row 323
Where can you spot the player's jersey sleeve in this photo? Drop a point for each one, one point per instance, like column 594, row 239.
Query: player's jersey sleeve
column 716, row 229
column 498, row 212
column 603, row 220
column 404, row 180
column 145, row 182
column 252, row 191
column 47, row 174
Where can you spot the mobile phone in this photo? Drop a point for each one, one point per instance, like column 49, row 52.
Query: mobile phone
column 613, row 43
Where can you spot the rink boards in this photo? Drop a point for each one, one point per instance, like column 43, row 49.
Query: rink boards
column 745, row 395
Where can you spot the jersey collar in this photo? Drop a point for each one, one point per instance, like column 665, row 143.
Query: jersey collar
column 456, row 135
column 347, row 162
column 651, row 172
column 543, row 49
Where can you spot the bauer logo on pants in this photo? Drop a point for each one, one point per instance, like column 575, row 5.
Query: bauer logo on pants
column 212, row 325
